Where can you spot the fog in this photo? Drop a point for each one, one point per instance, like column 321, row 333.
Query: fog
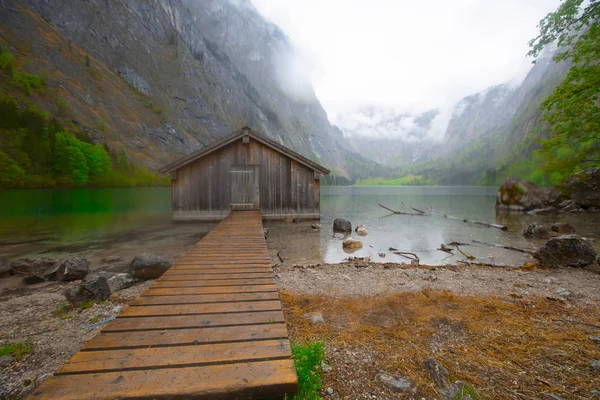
column 405, row 55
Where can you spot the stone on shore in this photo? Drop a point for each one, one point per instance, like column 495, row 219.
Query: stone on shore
column 566, row 251
column 148, row 266
column 72, row 269
column 536, row 231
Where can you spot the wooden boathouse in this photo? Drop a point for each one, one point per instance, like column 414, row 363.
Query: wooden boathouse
column 245, row 171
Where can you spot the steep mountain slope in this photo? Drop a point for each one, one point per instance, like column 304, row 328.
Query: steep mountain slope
column 160, row 78
column 487, row 131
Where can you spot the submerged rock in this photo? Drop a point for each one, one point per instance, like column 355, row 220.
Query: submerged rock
column 519, row 195
column 342, row 225
column 351, row 243
column 566, row 251
column 362, row 232
column 72, row 269
column 562, row 228
column 536, row 231
column 148, row 266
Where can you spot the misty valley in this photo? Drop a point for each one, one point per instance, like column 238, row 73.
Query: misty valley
column 299, row 199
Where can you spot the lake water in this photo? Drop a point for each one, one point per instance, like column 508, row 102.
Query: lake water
column 97, row 222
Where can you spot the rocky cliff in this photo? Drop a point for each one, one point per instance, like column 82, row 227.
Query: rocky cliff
column 160, row 78
column 487, row 125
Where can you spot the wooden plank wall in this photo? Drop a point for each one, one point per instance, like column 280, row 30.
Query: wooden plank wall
column 288, row 189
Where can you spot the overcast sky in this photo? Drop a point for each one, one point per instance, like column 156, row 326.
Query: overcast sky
column 410, row 55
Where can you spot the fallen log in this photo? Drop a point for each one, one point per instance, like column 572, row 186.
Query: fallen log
column 400, row 212
column 505, row 247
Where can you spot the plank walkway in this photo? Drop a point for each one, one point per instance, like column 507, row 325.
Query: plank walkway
column 210, row 328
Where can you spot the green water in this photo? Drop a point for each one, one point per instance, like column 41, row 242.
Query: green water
column 69, row 215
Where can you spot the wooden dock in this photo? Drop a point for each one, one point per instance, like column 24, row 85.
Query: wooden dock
column 210, row 328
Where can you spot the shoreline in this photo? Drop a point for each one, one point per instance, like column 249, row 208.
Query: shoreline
column 370, row 311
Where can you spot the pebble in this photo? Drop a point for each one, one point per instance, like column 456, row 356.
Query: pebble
column 5, row 361
column 315, row 318
column 395, row 383
column 595, row 365
column 329, row 391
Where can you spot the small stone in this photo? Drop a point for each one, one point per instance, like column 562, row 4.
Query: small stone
column 395, row 383
column 351, row 243
column 595, row 339
column 536, row 231
column 316, row 226
column 315, row 318
column 451, row 391
column 438, row 373
column 362, row 232
column 563, row 293
column 329, row 391
column 326, row 368
column 72, row 269
column 148, row 266
column 5, row 361
column 382, row 255
column 595, row 365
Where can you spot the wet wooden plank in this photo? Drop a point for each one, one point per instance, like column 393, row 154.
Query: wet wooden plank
column 212, row 282
column 183, row 356
column 194, row 321
column 211, row 308
column 175, row 337
column 213, row 289
column 205, row 298
column 265, row 379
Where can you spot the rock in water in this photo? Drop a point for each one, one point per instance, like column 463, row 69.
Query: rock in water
column 342, row 225
column 148, row 266
column 72, row 269
column 395, row 383
column 584, row 188
column 438, row 373
column 537, row 231
column 350, row 243
column 362, row 232
column 562, row 228
column 566, row 251
column 95, row 287
column 519, row 195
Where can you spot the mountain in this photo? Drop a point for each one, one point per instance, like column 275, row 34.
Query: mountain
column 155, row 79
column 483, row 131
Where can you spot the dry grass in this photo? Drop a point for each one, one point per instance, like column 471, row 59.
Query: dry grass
column 505, row 349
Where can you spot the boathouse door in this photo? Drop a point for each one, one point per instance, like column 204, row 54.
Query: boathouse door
column 244, row 187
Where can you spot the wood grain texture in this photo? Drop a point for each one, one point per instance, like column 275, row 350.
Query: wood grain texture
column 279, row 185
column 211, row 328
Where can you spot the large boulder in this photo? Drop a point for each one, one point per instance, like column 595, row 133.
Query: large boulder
column 536, row 231
column 566, row 251
column 519, row 195
column 148, row 266
column 342, row 225
column 584, row 188
column 72, row 269
column 94, row 287
column 34, row 270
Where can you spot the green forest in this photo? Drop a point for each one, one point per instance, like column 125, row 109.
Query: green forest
column 37, row 152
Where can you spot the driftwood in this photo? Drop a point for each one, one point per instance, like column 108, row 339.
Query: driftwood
column 400, row 212
column 469, row 257
column 465, row 220
column 444, row 248
column 409, row 255
column 431, row 212
column 481, row 264
column 505, row 247
column 279, row 254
